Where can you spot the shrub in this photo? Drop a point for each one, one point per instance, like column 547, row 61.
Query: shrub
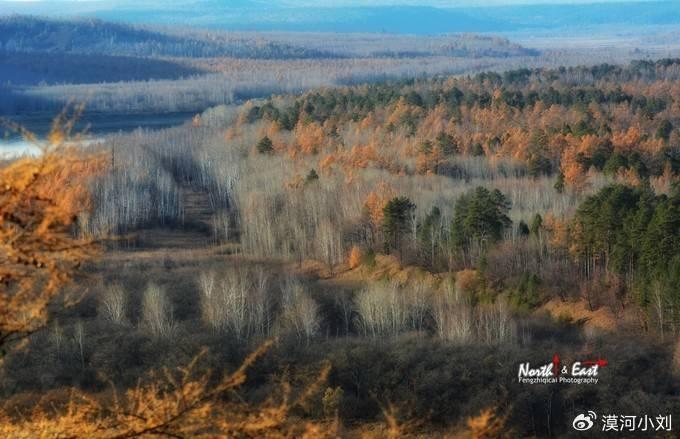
column 238, row 303
column 157, row 313
column 468, row 284
column 300, row 311
column 332, row 399
column 452, row 318
column 382, row 310
column 355, row 257
column 495, row 324
column 369, row 259
column 112, row 304
column 211, row 305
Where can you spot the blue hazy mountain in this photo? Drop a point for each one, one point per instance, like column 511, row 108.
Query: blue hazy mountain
column 279, row 15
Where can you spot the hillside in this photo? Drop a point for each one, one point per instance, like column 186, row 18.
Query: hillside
column 444, row 229
column 43, row 51
column 32, row 34
column 346, row 219
column 32, row 68
column 45, row 63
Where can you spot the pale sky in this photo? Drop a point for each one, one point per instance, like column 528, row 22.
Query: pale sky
column 439, row 3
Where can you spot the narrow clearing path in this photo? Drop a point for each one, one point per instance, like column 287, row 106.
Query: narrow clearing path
column 196, row 230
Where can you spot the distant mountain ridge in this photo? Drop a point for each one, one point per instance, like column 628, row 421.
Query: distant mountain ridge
column 49, row 51
column 87, row 35
column 29, row 34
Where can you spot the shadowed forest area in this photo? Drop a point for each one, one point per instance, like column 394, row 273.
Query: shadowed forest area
column 374, row 257
column 47, row 63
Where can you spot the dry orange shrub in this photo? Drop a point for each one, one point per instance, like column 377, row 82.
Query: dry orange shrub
column 515, row 144
column 367, row 122
column 183, row 403
column 355, row 256
column 396, row 427
column 349, row 175
column 433, row 123
column 272, row 131
column 296, row 182
column 361, row 156
column 229, row 134
column 487, row 425
column 402, row 111
column 467, row 282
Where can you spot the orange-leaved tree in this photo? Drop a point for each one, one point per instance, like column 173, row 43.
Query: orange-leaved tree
column 40, row 199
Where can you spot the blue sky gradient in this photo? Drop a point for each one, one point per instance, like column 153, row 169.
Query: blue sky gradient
column 391, row 16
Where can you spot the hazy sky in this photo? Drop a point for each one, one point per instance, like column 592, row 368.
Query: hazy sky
column 440, row 3
column 446, row 3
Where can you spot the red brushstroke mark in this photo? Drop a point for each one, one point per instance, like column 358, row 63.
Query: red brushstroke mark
column 556, row 365
column 600, row 363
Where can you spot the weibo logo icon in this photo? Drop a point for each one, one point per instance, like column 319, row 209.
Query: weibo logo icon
column 584, row 422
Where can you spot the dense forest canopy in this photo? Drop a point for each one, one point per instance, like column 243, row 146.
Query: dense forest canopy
column 566, row 120
column 578, row 165
column 608, row 128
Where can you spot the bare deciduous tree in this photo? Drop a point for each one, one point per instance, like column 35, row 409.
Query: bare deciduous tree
column 239, row 302
column 382, row 310
column 113, row 303
column 157, row 313
column 300, row 313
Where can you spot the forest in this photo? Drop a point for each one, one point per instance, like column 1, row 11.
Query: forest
column 590, row 132
column 383, row 256
column 33, row 34
column 47, row 63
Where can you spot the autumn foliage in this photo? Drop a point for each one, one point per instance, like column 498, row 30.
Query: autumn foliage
column 376, row 201
column 355, row 256
column 40, row 201
column 473, row 179
column 182, row 403
column 570, row 121
column 487, row 425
